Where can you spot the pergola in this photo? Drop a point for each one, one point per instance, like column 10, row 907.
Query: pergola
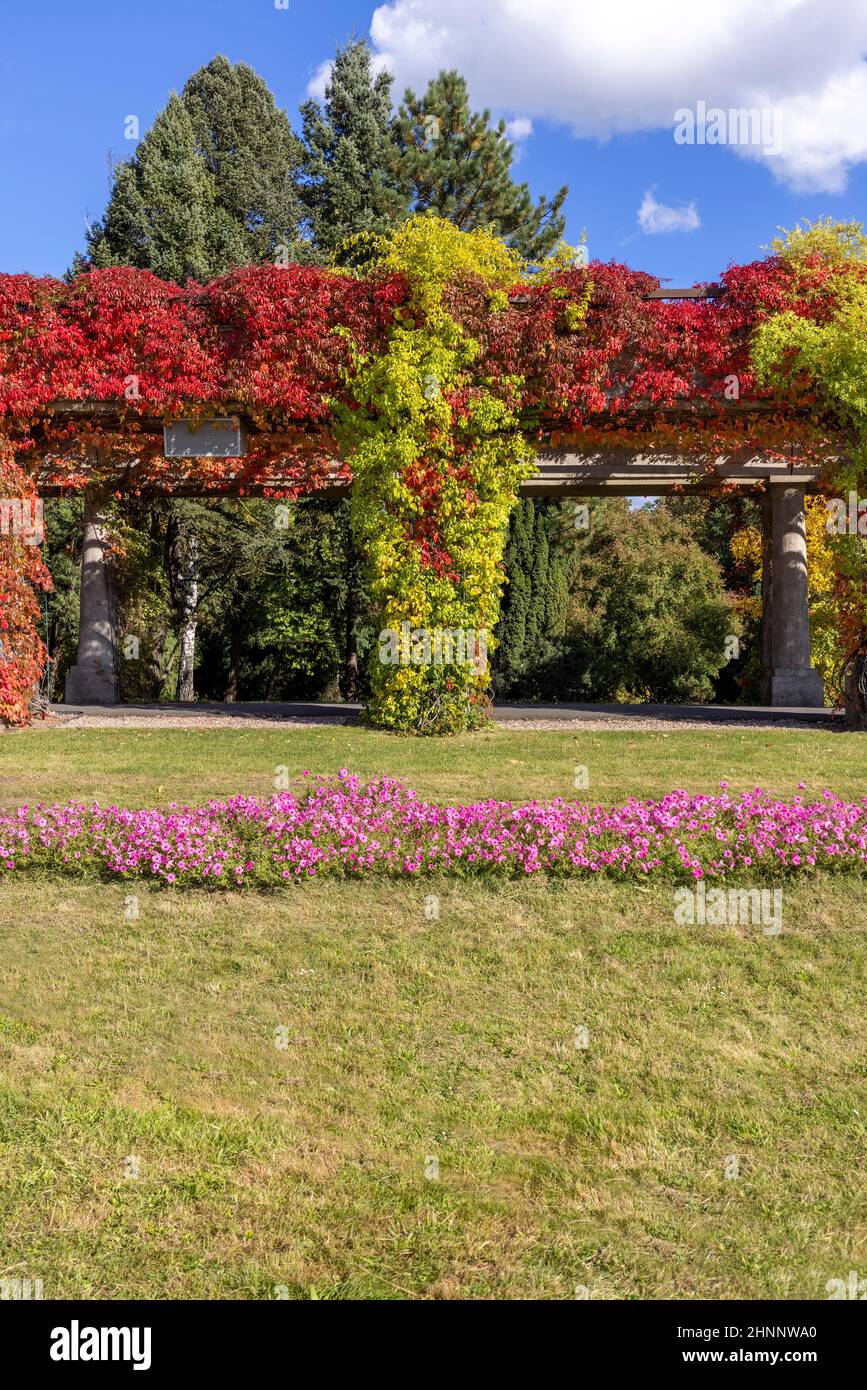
column 565, row 468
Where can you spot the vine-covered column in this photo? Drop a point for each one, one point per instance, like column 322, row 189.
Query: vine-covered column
column 22, row 575
column 436, row 456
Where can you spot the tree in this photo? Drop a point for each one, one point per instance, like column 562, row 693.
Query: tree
column 160, row 215
column 649, row 616
column 717, row 524
column 539, row 559
column 347, row 174
column 273, row 616
column 251, row 154
column 211, row 186
column 455, row 163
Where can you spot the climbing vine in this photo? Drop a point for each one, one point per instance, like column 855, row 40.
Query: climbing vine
column 436, row 452
column 816, row 343
column 22, row 575
column 426, row 375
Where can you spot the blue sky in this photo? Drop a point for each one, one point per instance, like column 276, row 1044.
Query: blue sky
column 598, row 99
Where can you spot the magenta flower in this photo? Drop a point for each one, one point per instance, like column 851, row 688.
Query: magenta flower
column 337, row 826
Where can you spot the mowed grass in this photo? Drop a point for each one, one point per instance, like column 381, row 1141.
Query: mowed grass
column 409, row 1040
column 143, row 767
column 308, row 1167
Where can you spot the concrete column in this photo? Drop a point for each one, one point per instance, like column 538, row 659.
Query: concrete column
column 767, row 591
column 789, row 678
column 93, row 678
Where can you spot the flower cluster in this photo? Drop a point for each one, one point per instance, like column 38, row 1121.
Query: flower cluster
column 339, row 827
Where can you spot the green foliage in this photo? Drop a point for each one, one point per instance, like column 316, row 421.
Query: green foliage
column 539, row 561
column 140, row 579
column 433, row 485
column 273, row 618
column 251, row 154
column 211, row 185
column 271, row 610
column 714, row 522
column 826, row 239
column 62, row 553
column 347, row 182
column 162, row 205
column 454, row 163
column 649, row 616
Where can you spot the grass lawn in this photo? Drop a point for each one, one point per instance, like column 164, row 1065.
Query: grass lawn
column 136, row 768
column 405, row 1040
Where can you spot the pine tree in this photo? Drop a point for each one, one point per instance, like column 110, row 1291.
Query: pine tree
column 347, row 169
column 455, row 163
column 161, row 205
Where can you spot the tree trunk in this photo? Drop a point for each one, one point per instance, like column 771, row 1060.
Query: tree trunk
column 856, row 691
column 188, row 584
column 234, row 660
column 351, row 683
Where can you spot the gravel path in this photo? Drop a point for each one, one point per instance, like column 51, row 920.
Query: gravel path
column 631, row 723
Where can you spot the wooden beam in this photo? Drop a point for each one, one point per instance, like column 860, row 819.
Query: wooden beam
column 561, row 472
column 628, row 472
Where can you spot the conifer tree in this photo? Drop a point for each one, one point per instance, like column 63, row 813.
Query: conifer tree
column 540, row 560
column 210, row 187
column 348, row 178
column 161, row 205
column 251, row 154
column 455, row 163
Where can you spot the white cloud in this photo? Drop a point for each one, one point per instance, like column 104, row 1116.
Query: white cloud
column 320, row 80
column 657, row 217
column 322, row 76
column 521, row 128
column 628, row 65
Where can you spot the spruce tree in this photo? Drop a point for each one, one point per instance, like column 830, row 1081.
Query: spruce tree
column 211, row 186
column 348, row 164
column 455, row 163
column 161, row 206
column 517, row 598
column 251, row 154
column 540, row 562
column 535, row 630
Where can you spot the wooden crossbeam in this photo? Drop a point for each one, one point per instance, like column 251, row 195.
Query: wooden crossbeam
column 563, row 471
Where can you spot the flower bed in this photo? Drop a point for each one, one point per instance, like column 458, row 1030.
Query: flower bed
column 337, row 826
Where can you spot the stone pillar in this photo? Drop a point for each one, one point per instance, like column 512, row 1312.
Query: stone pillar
column 789, row 678
column 767, row 592
column 93, row 678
